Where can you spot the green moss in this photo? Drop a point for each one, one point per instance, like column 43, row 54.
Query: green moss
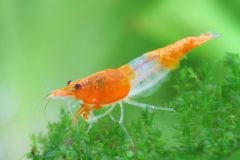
column 208, row 114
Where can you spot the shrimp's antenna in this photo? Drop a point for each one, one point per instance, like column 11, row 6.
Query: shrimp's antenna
column 42, row 99
column 45, row 107
column 34, row 108
column 44, row 110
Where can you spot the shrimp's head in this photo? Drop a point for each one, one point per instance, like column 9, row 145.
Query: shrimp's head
column 72, row 90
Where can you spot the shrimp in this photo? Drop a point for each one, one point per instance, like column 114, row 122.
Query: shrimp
column 117, row 86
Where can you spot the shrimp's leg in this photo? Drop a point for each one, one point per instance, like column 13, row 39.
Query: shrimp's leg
column 121, row 122
column 83, row 111
column 93, row 118
column 102, row 115
column 90, row 122
column 147, row 106
column 69, row 103
column 112, row 118
column 122, row 113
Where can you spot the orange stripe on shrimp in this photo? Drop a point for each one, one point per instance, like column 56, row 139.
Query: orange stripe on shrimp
column 111, row 86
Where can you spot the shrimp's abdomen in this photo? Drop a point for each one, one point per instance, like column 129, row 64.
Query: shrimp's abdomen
column 147, row 73
column 152, row 67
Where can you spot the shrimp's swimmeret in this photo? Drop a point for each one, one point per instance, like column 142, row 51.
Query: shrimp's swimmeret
column 111, row 86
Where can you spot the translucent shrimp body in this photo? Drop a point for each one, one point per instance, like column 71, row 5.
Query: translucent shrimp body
column 111, row 86
column 155, row 65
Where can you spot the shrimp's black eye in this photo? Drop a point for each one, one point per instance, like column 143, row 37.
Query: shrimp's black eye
column 77, row 86
column 68, row 82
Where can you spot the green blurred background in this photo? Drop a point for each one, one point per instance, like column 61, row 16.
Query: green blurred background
column 44, row 43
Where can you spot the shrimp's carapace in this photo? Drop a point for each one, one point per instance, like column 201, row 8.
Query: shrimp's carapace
column 101, row 88
column 115, row 85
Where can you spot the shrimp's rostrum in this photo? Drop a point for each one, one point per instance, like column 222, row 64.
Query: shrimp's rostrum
column 111, row 86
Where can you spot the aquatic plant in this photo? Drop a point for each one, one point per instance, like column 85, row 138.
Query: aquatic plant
column 207, row 123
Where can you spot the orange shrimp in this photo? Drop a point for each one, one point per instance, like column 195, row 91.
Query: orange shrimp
column 114, row 86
